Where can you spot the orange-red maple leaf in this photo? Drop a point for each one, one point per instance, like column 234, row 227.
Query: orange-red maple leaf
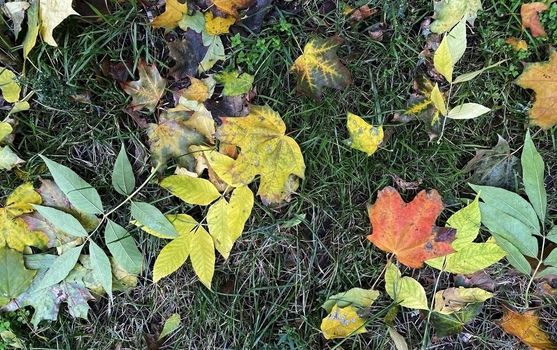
column 408, row 229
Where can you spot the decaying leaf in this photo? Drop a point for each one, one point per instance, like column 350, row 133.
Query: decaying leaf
column 405, row 291
column 542, row 78
column 231, row 7
column 187, row 52
column 147, row 91
column 265, row 150
column 530, row 14
column 14, row 232
column 8, row 159
column 363, row 136
column 517, row 44
column 174, row 10
column 449, row 12
column 173, row 135
column 15, row 10
column 408, row 229
column 320, row 67
column 469, row 257
column 451, row 300
column 342, row 322
column 14, row 277
column 215, row 25
column 358, row 297
column 496, row 167
column 453, row 323
column 526, row 326
column 51, row 14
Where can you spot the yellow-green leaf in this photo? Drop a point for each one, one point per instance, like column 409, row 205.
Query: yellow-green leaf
column 363, row 136
column 240, row 206
column 438, row 100
column 9, row 85
column 172, row 256
column 191, row 190
column 452, row 300
column 320, row 67
column 404, row 290
column 450, row 12
column 217, row 222
column 170, row 325
column 443, row 60
column 202, row 255
column 22, row 199
column 51, row 14
column 265, row 150
column 456, row 39
column 342, row 322
column 5, row 130
column 33, row 27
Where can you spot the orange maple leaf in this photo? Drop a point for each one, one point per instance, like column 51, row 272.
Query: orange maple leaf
column 530, row 14
column 542, row 78
column 408, row 229
column 526, row 326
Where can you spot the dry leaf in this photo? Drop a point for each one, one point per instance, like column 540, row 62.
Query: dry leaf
column 408, row 229
column 530, row 14
column 147, row 91
column 526, row 326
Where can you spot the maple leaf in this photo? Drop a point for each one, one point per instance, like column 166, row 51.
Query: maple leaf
column 51, row 14
column 215, row 25
column 188, row 53
column 147, row 91
column 542, row 78
column 408, row 229
column 231, row 7
column 530, row 14
column 363, row 136
column 173, row 12
column 265, row 150
column 14, row 232
column 174, row 133
column 320, row 67
column 526, row 326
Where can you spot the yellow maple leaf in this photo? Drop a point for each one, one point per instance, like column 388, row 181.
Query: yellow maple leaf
column 342, row 322
column 265, row 150
column 320, row 67
column 231, row 7
column 542, row 78
column 218, row 25
column 146, row 91
column 526, row 326
column 14, row 232
column 173, row 12
column 363, row 136
column 51, row 14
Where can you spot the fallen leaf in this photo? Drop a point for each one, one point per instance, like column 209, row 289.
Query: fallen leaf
column 265, row 150
column 199, row 90
column 358, row 297
column 228, row 106
column 320, row 67
column 174, row 134
column 517, row 44
column 408, row 229
column 451, row 300
column 215, row 52
column 235, row 84
column 9, row 85
column 453, row 323
column 496, row 167
column 187, row 52
column 405, row 291
column 171, row 324
column 173, row 12
column 231, row 7
column 526, row 326
column 542, row 78
column 342, row 322
column 362, row 13
column 14, row 277
column 449, row 12
column 530, row 14
column 398, row 339
column 51, row 14
column 215, row 25
column 15, row 10
column 363, row 136
column 147, row 91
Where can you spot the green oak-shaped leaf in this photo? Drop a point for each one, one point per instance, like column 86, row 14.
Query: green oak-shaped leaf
column 320, row 67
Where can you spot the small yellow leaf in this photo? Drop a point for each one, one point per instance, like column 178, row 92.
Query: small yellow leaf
column 452, row 300
column 51, row 14
column 363, row 136
column 342, row 322
column 172, row 256
column 438, row 100
column 517, row 44
column 198, row 91
column 22, row 199
column 202, row 255
column 443, row 60
column 9, row 85
column 404, row 290
column 5, row 130
column 173, row 12
column 218, row 25
column 240, row 206
column 191, row 190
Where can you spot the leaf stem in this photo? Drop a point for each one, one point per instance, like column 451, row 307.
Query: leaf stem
column 540, row 261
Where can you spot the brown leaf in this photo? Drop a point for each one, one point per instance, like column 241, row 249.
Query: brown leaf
column 362, row 13
column 530, row 14
column 408, row 229
column 526, row 326
column 147, row 91
column 188, row 53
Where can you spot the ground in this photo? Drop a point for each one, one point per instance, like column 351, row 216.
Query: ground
column 268, row 294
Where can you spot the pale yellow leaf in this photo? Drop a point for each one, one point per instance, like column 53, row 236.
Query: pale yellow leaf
column 202, row 255
column 51, row 14
column 191, row 190
column 452, row 300
column 218, row 217
column 9, row 85
column 240, row 206
column 363, row 136
column 404, row 290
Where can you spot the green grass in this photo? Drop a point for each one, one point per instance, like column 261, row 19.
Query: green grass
column 268, row 294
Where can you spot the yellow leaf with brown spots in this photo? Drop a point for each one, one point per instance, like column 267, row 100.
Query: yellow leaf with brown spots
column 342, row 322
column 542, row 78
column 265, row 151
column 173, row 12
column 231, row 7
column 526, row 326
column 320, row 67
